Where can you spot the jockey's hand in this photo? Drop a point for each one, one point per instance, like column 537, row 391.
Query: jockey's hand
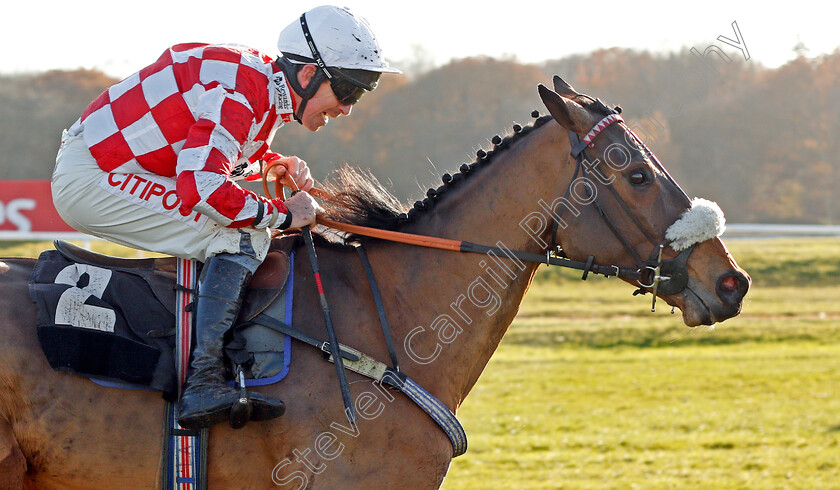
column 291, row 171
column 304, row 208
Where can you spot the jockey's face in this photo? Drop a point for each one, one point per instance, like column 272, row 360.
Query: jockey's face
column 323, row 105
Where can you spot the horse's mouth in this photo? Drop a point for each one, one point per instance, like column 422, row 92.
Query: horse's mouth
column 696, row 311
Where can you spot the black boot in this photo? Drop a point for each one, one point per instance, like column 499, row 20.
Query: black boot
column 206, row 399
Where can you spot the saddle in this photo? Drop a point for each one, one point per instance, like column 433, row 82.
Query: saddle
column 113, row 319
column 159, row 273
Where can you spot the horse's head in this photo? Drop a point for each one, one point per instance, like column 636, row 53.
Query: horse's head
column 624, row 208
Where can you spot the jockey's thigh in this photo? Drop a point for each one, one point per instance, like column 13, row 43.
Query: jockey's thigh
column 140, row 210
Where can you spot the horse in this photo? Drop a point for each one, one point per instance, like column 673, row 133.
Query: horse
column 448, row 313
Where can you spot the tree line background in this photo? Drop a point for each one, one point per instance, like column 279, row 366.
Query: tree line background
column 762, row 142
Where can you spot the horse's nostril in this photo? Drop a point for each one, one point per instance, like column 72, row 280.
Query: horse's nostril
column 732, row 287
column 729, row 284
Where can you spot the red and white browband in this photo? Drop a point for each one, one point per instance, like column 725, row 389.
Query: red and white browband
column 602, row 125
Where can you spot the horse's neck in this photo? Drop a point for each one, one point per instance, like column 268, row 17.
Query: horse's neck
column 454, row 308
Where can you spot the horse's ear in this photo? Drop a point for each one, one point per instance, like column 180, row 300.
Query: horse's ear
column 569, row 114
column 563, row 88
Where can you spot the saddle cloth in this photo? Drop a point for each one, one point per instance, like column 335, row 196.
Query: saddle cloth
column 113, row 319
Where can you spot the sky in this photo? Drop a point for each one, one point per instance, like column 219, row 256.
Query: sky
column 45, row 35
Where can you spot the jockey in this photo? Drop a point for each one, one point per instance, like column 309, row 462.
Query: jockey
column 152, row 164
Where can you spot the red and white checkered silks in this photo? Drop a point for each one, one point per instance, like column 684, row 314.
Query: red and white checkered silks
column 602, row 124
column 204, row 114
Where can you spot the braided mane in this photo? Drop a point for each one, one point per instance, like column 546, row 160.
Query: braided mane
column 359, row 198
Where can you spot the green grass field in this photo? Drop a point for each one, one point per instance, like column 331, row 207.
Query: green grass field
column 591, row 390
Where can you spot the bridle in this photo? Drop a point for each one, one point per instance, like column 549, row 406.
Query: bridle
column 652, row 275
column 655, row 275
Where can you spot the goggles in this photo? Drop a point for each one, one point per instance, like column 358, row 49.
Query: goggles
column 347, row 92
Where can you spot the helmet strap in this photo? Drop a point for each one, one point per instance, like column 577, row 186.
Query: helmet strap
column 316, row 55
column 291, row 71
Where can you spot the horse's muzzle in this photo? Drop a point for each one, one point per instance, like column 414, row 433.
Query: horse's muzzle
column 731, row 289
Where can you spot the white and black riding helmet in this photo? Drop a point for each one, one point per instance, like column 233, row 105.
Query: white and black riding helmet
column 341, row 44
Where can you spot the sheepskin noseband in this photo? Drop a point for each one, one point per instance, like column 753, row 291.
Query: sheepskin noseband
column 703, row 221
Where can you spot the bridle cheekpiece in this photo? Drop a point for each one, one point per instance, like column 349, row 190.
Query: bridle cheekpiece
column 654, row 275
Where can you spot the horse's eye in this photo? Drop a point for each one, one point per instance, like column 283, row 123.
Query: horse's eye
column 638, row 178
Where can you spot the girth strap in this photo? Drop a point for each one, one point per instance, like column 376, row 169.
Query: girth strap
column 365, row 365
column 432, row 406
column 380, row 308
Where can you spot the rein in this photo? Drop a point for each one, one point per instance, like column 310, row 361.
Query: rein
column 655, row 275
column 459, row 245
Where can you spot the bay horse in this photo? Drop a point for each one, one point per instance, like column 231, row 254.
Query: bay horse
column 448, row 313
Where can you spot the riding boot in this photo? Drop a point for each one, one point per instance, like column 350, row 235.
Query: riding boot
column 206, row 399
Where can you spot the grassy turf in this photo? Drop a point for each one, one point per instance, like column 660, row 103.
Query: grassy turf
column 590, row 390
column 749, row 415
